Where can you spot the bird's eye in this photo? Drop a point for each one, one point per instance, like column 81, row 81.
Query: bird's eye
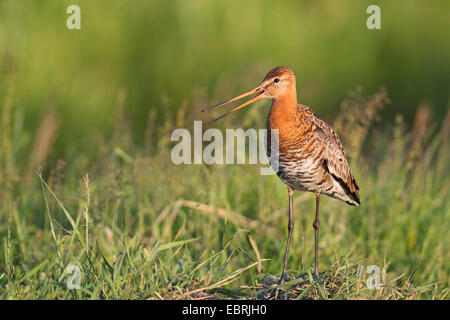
column 276, row 80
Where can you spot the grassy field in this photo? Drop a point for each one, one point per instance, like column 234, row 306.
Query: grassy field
column 91, row 206
column 138, row 227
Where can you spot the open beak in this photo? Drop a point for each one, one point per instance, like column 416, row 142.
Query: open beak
column 255, row 98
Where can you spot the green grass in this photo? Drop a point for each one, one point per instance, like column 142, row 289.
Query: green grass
column 139, row 227
column 85, row 173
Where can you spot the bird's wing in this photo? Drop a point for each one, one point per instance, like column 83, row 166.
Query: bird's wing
column 335, row 160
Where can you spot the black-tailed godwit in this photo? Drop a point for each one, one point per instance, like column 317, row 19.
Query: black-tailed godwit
column 311, row 156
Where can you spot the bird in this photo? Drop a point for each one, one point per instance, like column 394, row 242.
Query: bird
column 310, row 155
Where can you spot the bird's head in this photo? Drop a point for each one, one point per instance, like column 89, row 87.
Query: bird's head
column 278, row 82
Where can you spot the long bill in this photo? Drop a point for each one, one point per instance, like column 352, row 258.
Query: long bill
column 255, row 98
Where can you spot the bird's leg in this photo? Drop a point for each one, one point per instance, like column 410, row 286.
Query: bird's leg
column 283, row 277
column 316, row 232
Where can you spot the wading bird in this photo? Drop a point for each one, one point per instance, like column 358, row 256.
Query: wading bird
column 310, row 155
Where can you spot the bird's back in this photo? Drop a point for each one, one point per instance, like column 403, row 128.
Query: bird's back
column 311, row 156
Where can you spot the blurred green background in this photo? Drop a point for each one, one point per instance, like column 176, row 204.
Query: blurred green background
column 166, row 53
column 95, row 108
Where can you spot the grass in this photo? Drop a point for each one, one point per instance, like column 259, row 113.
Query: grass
column 89, row 196
column 134, row 226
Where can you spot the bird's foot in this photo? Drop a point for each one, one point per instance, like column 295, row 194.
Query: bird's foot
column 283, row 278
column 316, row 273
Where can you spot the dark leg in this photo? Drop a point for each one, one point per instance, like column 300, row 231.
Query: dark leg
column 316, row 231
column 290, row 229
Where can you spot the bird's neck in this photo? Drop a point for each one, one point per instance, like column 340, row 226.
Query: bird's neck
column 283, row 112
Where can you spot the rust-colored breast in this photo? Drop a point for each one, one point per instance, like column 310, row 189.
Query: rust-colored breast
column 311, row 156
